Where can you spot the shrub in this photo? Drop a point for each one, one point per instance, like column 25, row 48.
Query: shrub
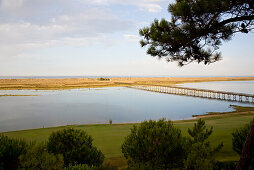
column 103, row 79
column 37, row 157
column 10, row 150
column 201, row 154
column 75, row 146
column 225, row 165
column 238, row 139
column 79, row 167
column 87, row 167
column 154, row 145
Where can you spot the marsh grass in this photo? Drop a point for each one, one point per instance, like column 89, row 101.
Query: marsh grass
column 77, row 83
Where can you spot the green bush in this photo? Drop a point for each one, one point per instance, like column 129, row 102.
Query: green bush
column 79, row 167
column 10, row 150
column 225, row 165
column 154, row 145
column 107, row 166
column 87, row 167
column 103, row 79
column 201, row 155
column 75, row 146
column 37, row 157
column 238, row 139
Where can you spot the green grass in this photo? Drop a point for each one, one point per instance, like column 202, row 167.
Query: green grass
column 223, row 126
column 236, row 108
column 109, row 138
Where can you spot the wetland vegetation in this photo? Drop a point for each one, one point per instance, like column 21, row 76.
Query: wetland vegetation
column 74, row 83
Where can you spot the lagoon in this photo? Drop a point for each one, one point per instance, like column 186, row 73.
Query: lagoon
column 99, row 105
column 230, row 86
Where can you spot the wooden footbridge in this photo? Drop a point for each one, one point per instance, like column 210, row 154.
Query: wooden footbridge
column 203, row 93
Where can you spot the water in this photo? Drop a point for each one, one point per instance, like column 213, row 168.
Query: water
column 230, row 86
column 89, row 106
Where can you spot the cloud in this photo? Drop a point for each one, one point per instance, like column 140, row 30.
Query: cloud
column 30, row 9
column 73, row 28
column 145, row 5
column 150, row 7
column 100, row 2
column 11, row 4
column 132, row 38
column 29, row 25
column 24, row 50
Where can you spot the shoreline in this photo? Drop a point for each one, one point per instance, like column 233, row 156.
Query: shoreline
column 108, row 138
column 79, row 83
column 238, row 111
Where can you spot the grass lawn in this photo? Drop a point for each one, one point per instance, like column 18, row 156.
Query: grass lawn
column 109, row 138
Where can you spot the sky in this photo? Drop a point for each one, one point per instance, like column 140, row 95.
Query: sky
column 98, row 37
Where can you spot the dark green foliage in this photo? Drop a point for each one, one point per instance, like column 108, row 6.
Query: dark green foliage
column 10, row 150
column 154, row 145
column 239, row 137
column 110, row 121
column 75, row 146
column 79, row 167
column 224, row 166
column 37, row 157
column 238, row 140
column 201, row 154
column 197, row 29
column 107, row 166
column 103, row 79
column 87, row 167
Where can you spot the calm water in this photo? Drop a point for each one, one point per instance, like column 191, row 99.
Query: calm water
column 231, row 86
column 89, row 106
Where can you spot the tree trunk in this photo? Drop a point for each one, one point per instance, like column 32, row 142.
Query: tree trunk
column 247, row 150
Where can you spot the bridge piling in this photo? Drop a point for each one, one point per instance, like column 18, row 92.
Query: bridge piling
column 203, row 93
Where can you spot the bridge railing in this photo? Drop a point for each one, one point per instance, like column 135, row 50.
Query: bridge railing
column 203, row 93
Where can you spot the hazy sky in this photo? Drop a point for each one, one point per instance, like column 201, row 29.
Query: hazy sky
column 98, row 37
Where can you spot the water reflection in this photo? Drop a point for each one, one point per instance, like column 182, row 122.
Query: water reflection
column 88, row 106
